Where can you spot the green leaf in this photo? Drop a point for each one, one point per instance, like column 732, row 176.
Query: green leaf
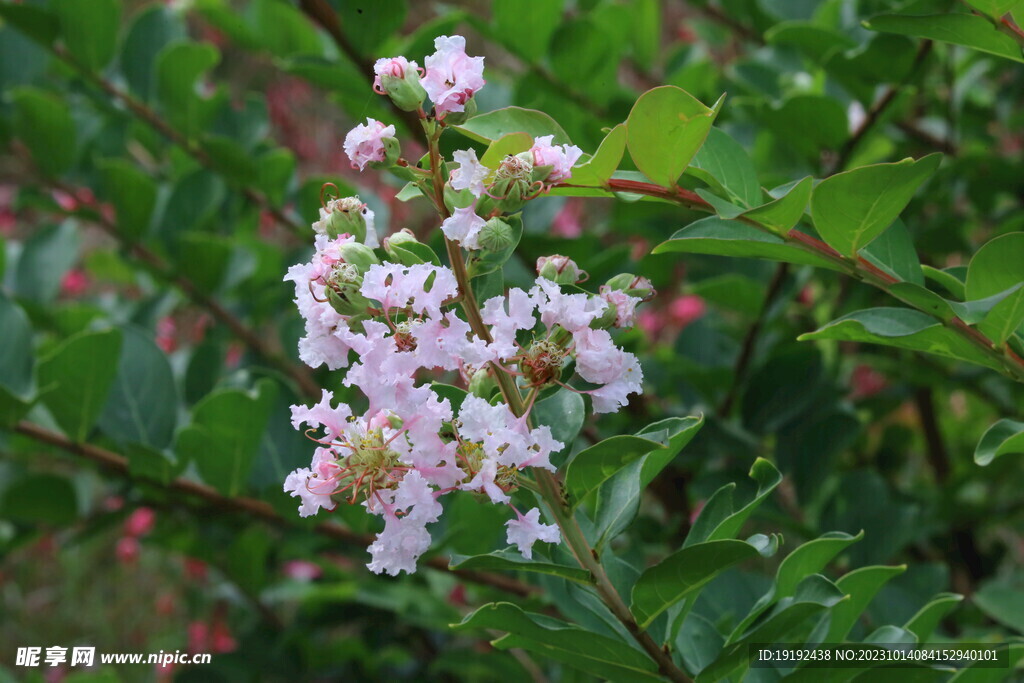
column 593, row 466
column 813, row 40
column 782, row 215
column 683, row 573
column 178, row 67
column 22, row 502
column 597, row 171
column 486, row 128
column 717, row 519
column 143, row 404
column 923, row 299
column 579, row 55
column 810, row 558
column 1004, row 437
column 76, row 378
column 133, row 194
column 247, row 559
column 714, row 235
column 981, row 672
column 193, row 201
column 862, row 585
column 564, row 412
column 927, row 619
column 852, row 208
column 960, row 29
column 89, row 29
column 724, row 165
column 665, row 129
column 506, row 145
column 953, row 284
column 821, row 120
column 593, row 653
column 1005, row 318
column 893, row 251
column 151, row 30
column 45, row 257
column 43, row 122
column 369, row 24
column 283, row 29
column 996, row 267
column 511, row 560
column 1003, row 601
column 16, row 361
column 997, row 8
column 492, row 261
column 225, row 433
column 526, row 26
column 37, row 23
column 903, row 328
column 274, row 171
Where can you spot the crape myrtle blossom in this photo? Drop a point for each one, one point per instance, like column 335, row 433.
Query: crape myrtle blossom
column 526, row 529
column 561, row 158
column 470, row 174
column 464, row 227
column 452, row 77
column 366, row 143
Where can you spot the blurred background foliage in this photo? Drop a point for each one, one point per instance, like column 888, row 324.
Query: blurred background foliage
column 143, row 311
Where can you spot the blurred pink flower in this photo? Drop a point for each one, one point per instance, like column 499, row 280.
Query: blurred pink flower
column 127, row 550
column 301, row 570
column 198, row 637
column 165, row 604
column 74, row 283
column 165, row 334
column 140, row 522
column 567, row 221
column 683, row 310
column 64, row 200
column 650, row 321
column 865, row 382
column 113, row 503
column 221, row 640
column 195, row 570
column 234, row 355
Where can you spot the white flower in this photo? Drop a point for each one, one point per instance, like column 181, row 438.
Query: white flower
column 464, row 226
column 470, row 174
column 526, row 529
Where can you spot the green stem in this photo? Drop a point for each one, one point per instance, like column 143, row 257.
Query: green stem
column 548, row 486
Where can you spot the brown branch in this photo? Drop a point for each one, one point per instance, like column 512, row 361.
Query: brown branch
column 251, row 507
column 936, row 451
column 154, row 121
column 321, row 12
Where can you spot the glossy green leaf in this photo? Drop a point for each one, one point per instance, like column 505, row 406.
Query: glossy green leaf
column 526, row 26
column 813, row 40
column 493, row 125
column 810, row 558
column 851, row 209
column 225, row 432
column 593, row 653
column 923, row 299
column 960, row 29
column 905, row 329
column 512, row 560
column 564, row 412
column 996, row 267
column 39, row 24
column 512, row 143
column 862, row 585
column 599, row 169
column 980, row 672
column 717, row 520
column 16, row 361
column 714, row 235
column 782, row 215
column 682, row 574
column 89, row 29
column 43, row 122
column 283, row 29
column 1005, row 318
column 893, row 251
column 21, row 500
column 725, row 165
column 133, row 194
column 142, row 406
column 369, row 24
column 1004, row 437
column 821, row 121
column 45, row 257
column 1001, row 600
column 76, row 378
column 178, row 68
column 953, row 284
column 593, row 466
column 927, row 619
column 997, row 8
column 664, row 130
column 151, row 30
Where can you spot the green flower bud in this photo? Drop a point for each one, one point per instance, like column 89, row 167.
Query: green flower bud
column 560, row 269
column 513, row 182
column 358, row 255
column 483, row 384
column 496, row 235
column 345, row 216
column 346, row 299
column 633, row 285
column 392, row 150
column 402, row 85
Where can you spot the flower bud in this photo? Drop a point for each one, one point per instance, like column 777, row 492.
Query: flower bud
column 633, row 285
column 346, row 216
column 560, row 269
column 513, row 182
column 358, row 255
column 496, row 235
column 372, row 143
column 399, row 79
column 483, row 384
column 621, row 309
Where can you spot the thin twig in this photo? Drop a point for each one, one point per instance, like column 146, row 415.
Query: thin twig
column 251, row 507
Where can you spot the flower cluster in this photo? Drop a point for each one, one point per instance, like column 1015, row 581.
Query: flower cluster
column 391, row 319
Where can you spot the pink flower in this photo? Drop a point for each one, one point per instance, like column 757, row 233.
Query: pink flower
column 313, row 494
column 685, row 309
column 301, row 570
column 452, row 77
column 560, row 158
column 527, row 529
column 140, row 522
column 74, row 283
column 127, row 550
column 464, row 226
column 567, row 221
column 624, row 305
column 365, row 142
column 470, row 174
column 166, row 330
column 866, row 382
column 391, row 66
column 195, row 570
